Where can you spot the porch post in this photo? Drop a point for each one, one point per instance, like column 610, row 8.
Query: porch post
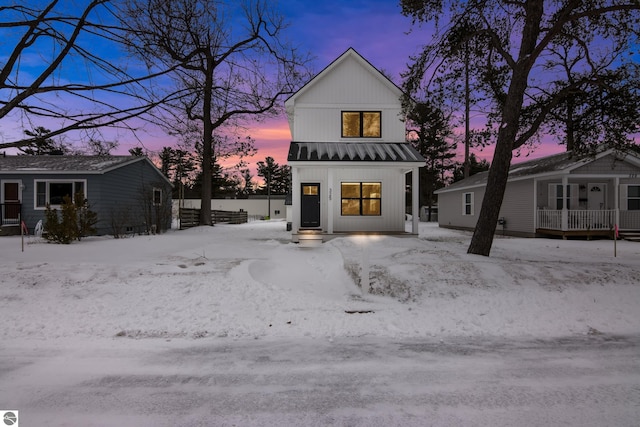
column 535, row 205
column 565, row 203
column 295, row 199
column 415, row 200
column 616, row 198
column 330, row 198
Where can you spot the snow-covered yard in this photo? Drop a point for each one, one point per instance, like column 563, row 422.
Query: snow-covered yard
column 248, row 281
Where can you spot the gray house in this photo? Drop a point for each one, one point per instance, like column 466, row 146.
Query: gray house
column 129, row 194
column 564, row 194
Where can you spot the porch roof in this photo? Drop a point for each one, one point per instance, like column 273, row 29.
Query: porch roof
column 561, row 163
column 353, row 152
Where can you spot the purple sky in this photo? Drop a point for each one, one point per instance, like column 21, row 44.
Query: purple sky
column 374, row 28
column 325, row 29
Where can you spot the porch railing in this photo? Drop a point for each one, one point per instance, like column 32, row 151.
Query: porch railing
column 10, row 213
column 629, row 220
column 549, row 219
column 577, row 219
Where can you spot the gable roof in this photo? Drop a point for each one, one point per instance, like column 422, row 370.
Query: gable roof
column 562, row 163
column 68, row 164
column 353, row 152
column 349, row 53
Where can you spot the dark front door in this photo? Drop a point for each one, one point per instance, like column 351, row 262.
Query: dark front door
column 310, row 215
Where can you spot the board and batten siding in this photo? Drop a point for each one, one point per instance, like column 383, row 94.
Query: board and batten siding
column 324, row 124
column 393, row 199
column 311, row 175
column 348, row 81
column 350, row 86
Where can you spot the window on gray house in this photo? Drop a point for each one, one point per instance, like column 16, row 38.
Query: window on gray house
column 467, row 204
column 633, row 198
column 157, row 196
column 52, row 192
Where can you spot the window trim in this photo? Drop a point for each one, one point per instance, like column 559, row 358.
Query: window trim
column 360, row 199
column 361, row 133
column 156, row 190
column 47, row 193
column 571, row 196
column 469, row 204
column 634, row 198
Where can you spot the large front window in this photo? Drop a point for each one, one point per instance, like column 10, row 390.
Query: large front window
column 633, row 198
column 53, row 192
column 361, row 198
column 361, row 124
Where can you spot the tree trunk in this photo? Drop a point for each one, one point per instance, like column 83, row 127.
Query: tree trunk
column 499, row 172
column 467, row 113
column 207, row 147
column 496, row 184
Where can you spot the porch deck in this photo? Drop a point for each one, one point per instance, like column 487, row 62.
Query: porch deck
column 586, row 223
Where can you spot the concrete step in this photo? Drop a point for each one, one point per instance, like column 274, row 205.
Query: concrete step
column 632, row 236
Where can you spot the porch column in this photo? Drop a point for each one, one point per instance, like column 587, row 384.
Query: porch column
column 415, row 200
column 616, row 198
column 565, row 203
column 295, row 199
column 330, row 198
column 535, row 204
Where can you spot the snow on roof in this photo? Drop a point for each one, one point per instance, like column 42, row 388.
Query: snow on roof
column 53, row 163
column 562, row 162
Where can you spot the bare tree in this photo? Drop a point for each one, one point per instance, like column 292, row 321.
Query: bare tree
column 518, row 71
column 232, row 59
column 72, row 86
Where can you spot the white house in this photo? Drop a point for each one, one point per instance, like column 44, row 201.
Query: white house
column 564, row 194
column 348, row 154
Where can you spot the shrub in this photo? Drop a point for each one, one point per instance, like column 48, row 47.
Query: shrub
column 75, row 221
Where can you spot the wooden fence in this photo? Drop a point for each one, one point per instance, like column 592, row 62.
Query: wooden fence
column 191, row 217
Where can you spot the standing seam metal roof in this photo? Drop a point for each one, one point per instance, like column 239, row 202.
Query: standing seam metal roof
column 353, row 152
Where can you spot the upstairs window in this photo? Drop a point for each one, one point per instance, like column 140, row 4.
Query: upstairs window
column 361, row 124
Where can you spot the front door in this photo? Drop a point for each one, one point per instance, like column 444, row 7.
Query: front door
column 310, row 202
column 596, row 196
column 10, row 202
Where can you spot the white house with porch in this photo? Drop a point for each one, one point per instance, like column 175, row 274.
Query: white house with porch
column 564, row 194
column 348, row 154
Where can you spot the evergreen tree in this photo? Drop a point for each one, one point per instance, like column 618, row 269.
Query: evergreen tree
column 430, row 134
column 475, row 166
column 42, row 145
column 276, row 178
